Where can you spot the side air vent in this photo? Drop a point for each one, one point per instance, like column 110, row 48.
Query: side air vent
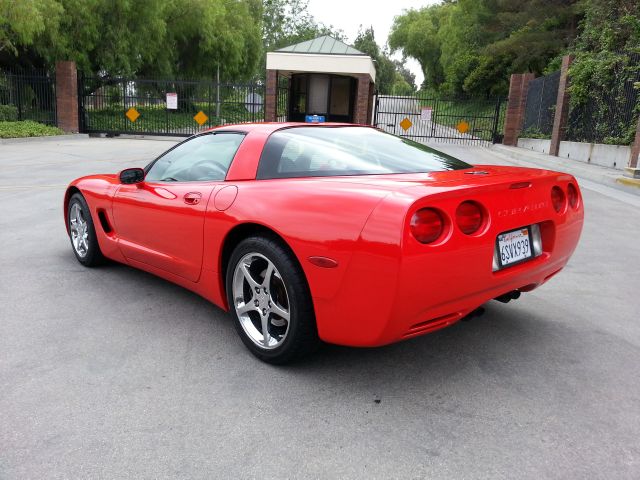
column 104, row 221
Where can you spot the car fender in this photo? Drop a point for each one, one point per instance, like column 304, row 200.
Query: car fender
column 315, row 218
column 98, row 192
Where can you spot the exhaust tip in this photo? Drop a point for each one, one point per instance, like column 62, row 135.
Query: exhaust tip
column 507, row 297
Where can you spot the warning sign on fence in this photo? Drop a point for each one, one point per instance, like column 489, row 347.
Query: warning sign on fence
column 425, row 114
column 172, row 101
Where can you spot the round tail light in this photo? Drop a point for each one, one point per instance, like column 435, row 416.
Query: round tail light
column 427, row 225
column 558, row 199
column 572, row 194
column 469, row 217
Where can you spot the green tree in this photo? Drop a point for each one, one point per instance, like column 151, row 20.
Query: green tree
column 287, row 22
column 607, row 63
column 415, row 33
column 22, row 22
column 129, row 37
column 472, row 46
column 388, row 78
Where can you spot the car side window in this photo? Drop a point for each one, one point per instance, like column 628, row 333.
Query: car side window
column 203, row 158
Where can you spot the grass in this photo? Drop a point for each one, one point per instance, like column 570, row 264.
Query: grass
column 27, row 128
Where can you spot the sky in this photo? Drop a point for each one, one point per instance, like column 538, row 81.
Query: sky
column 348, row 15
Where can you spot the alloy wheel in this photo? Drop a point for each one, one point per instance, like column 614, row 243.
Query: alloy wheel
column 261, row 301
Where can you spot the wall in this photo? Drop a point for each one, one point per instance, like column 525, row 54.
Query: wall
column 536, row 144
column 611, row 156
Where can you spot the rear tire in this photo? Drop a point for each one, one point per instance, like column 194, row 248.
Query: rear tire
column 270, row 301
column 82, row 232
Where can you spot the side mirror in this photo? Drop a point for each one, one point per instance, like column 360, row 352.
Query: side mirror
column 129, row 176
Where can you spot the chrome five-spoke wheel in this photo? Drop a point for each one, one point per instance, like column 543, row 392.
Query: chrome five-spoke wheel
column 261, row 301
column 82, row 233
column 79, row 230
column 269, row 297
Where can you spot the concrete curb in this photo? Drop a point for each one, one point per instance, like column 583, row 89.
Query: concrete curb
column 580, row 170
column 128, row 136
column 631, row 182
column 49, row 138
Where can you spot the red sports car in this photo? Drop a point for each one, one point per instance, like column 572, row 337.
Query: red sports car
column 331, row 232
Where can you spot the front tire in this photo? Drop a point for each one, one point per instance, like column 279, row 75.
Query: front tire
column 82, row 232
column 270, row 301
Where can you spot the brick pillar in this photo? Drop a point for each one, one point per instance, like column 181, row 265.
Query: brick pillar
column 635, row 148
column 67, row 96
column 518, row 88
column 370, row 106
column 561, row 115
column 271, row 96
column 361, row 111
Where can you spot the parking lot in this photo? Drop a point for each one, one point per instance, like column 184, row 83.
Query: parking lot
column 113, row 373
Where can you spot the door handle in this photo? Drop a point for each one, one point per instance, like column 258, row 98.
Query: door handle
column 192, row 198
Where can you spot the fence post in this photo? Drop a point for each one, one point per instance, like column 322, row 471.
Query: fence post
column 518, row 88
column 561, row 115
column 496, row 121
column 67, row 96
column 633, row 169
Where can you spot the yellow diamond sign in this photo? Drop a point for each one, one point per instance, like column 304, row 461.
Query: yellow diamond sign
column 406, row 124
column 201, row 117
column 132, row 114
column 463, row 127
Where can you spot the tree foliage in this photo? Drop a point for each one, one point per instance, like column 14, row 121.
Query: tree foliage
column 605, row 69
column 287, row 22
column 471, row 46
column 170, row 38
column 390, row 77
column 127, row 37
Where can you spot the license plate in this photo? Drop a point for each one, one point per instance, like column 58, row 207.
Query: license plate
column 514, row 246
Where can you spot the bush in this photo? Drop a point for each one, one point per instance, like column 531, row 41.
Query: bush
column 8, row 113
column 27, row 129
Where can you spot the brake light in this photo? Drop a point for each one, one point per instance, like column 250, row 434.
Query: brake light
column 427, row 225
column 469, row 217
column 558, row 199
column 572, row 193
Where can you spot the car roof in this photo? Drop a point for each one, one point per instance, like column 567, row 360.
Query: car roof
column 270, row 127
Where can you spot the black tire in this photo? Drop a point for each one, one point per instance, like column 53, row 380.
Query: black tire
column 301, row 335
column 92, row 255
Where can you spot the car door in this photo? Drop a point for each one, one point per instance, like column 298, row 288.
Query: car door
column 160, row 221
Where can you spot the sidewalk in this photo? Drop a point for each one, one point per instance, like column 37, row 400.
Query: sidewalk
column 607, row 176
column 500, row 155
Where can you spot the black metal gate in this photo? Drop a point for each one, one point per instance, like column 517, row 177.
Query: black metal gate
column 432, row 119
column 165, row 107
column 29, row 95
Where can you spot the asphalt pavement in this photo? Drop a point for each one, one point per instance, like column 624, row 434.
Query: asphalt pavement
column 112, row 373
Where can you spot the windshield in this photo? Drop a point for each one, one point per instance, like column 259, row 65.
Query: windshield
column 332, row 151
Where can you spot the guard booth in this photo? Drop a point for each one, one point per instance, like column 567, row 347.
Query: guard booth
column 320, row 80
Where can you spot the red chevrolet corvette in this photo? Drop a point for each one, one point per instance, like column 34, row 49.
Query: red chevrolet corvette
column 331, row 232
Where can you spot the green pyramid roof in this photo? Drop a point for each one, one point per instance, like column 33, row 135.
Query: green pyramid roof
column 324, row 45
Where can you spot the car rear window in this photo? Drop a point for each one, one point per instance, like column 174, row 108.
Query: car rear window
column 333, row 151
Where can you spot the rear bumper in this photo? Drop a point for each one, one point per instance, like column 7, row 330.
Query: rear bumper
column 392, row 292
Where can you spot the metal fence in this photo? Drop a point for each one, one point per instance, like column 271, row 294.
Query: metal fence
column 282, row 98
column 610, row 112
column 29, row 95
column 540, row 106
column 425, row 118
column 165, row 107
